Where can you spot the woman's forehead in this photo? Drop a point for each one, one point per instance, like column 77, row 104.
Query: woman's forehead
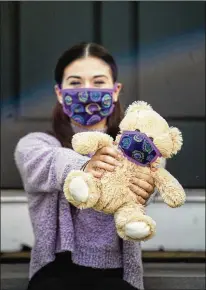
column 87, row 67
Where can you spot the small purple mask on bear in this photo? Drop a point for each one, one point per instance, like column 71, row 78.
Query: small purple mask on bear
column 138, row 148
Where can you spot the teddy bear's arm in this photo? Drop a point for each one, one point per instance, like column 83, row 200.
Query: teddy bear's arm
column 162, row 164
column 89, row 142
column 169, row 188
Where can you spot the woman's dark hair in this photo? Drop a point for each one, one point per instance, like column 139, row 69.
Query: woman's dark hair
column 61, row 126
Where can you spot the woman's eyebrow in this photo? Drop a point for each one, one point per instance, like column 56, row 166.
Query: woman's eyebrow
column 100, row 76
column 76, row 77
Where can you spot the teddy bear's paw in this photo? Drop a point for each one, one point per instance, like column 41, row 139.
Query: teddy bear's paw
column 141, row 228
column 79, row 189
column 137, row 230
column 175, row 200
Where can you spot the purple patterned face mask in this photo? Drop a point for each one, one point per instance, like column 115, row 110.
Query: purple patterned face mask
column 88, row 106
column 138, row 148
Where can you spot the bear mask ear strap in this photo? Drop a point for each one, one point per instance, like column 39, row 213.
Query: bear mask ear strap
column 177, row 140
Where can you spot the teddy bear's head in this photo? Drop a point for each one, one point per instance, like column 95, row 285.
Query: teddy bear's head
column 141, row 117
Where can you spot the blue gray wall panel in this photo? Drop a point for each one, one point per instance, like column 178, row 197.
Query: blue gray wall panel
column 160, row 50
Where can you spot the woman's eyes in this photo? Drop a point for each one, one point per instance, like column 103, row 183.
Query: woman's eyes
column 99, row 83
column 75, row 83
column 96, row 83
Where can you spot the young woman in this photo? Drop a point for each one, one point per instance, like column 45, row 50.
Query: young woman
column 76, row 249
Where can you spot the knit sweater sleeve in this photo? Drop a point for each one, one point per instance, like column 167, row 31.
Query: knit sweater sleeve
column 43, row 163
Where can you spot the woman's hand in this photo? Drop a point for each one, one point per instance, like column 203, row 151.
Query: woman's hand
column 105, row 158
column 143, row 186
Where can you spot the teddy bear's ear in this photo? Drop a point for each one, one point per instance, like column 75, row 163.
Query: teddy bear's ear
column 138, row 106
column 177, row 140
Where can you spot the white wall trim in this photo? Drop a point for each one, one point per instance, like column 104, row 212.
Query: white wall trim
column 179, row 229
column 19, row 196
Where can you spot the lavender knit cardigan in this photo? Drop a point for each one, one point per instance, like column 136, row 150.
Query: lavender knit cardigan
column 90, row 236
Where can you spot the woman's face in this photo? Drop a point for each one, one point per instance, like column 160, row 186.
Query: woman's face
column 89, row 72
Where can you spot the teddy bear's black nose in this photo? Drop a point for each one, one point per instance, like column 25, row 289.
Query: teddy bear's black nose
column 152, row 139
column 137, row 130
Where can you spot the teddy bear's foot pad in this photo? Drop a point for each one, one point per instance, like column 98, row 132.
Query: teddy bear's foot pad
column 137, row 230
column 79, row 189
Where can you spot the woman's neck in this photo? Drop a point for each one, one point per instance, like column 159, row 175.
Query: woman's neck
column 101, row 127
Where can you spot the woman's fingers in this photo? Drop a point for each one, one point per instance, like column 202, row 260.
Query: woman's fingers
column 139, row 191
column 141, row 200
column 105, row 158
column 109, row 160
column 146, row 177
column 142, row 196
column 102, row 165
column 96, row 174
column 145, row 185
column 111, row 152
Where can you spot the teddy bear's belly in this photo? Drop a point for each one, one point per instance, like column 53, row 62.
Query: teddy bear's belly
column 115, row 188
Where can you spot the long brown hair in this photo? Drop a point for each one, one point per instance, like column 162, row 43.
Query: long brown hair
column 61, row 125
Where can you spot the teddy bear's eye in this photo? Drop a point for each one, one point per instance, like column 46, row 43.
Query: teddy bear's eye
column 152, row 139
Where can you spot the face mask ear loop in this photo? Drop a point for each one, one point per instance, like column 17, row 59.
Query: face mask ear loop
column 60, row 88
column 115, row 87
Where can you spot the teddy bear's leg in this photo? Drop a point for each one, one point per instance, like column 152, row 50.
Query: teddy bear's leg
column 133, row 224
column 81, row 189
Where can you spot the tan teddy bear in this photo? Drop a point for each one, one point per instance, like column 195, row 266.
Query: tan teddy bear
column 145, row 139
